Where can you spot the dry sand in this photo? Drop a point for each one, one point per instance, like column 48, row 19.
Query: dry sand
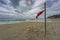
column 30, row 31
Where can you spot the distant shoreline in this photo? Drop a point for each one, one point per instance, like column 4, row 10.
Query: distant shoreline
column 13, row 22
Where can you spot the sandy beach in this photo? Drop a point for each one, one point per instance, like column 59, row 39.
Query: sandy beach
column 30, row 31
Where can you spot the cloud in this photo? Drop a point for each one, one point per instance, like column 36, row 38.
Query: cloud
column 1, row 1
column 54, row 9
column 7, row 11
column 7, row 1
column 22, row 3
column 14, row 3
column 38, row 2
column 27, row 8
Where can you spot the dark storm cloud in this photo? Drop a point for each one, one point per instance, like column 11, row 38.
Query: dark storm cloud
column 14, row 3
column 50, row 3
column 1, row 1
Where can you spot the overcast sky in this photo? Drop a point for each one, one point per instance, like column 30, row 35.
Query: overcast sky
column 27, row 8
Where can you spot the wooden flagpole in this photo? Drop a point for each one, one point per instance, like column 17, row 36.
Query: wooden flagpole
column 45, row 17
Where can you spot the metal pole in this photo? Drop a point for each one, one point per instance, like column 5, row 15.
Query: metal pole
column 45, row 17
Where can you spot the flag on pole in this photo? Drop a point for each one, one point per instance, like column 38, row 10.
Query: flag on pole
column 38, row 2
column 39, row 13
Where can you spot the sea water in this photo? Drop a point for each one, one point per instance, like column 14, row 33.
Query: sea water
column 9, row 22
column 12, row 22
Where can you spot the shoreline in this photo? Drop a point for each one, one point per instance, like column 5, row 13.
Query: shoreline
column 14, row 22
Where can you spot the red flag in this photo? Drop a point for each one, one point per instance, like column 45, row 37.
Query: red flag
column 39, row 13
